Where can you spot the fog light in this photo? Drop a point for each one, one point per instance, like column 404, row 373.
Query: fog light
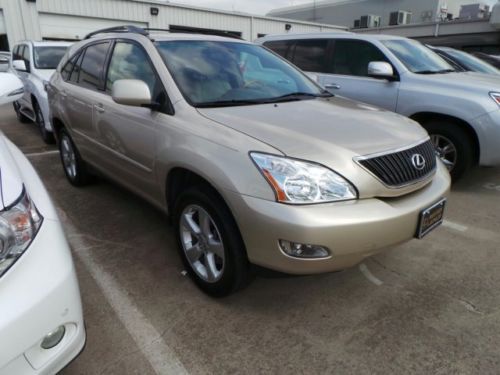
column 53, row 338
column 299, row 250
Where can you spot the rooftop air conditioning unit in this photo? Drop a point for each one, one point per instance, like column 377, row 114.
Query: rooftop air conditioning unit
column 369, row 21
column 400, row 17
column 357, row 24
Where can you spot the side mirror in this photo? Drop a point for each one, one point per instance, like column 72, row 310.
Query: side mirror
column 11, row 88
column 19, row 65
column 381, row 69
column 131, row 92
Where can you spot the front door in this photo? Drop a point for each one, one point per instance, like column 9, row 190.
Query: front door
column 349, row 77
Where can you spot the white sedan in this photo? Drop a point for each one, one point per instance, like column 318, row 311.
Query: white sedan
column 41, row 321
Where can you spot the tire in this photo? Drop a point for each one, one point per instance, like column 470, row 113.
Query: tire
column 220, row 244
column 74, row 167
column 460, row 157
column 47, row 136
column 20, row 117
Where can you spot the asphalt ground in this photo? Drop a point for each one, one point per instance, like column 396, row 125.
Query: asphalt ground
column 430, row 306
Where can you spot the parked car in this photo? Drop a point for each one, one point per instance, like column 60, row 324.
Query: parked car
column 463, row 61
column 35, row 62
column 11, row 88
column 277, row 173
column 41, row 323
column 490, row 59
column 459, row 110
column 4, row 62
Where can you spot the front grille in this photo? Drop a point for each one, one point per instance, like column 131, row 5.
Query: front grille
column 397, row 169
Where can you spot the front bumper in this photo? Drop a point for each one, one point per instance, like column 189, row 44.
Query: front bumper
column 487, row 129
column 352, row 230
column 38, row 294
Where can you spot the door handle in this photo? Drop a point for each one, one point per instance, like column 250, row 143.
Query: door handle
column 99, row 108
column 332, row 86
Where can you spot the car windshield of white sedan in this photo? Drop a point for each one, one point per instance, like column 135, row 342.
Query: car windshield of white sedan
column 418, row 58
column 48, row 57
column 216, row 74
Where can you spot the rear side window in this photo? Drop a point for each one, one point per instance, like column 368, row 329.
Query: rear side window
column 68, row 67
column 26, row 56
column 311, row 55
column 281, row 47
column 351, row 57
column 75, row 74
column 94, row 58
column 15, row 53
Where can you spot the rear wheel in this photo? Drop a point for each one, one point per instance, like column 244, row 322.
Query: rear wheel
column 453, row 146
column 20, row 117
column 209, row 242
column 47, row 136
column 73, row 165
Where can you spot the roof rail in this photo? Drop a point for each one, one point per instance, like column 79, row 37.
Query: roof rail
column 197, row 31
column 119, row 29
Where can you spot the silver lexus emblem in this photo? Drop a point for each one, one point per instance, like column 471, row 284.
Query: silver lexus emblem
column 418, row 161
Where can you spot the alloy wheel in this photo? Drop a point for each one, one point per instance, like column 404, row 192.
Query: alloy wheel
column 68, row 157
column 202, row 243
column 445, row 150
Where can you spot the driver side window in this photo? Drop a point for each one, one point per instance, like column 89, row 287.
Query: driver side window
column 351, row 57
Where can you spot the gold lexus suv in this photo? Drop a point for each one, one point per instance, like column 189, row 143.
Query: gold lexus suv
column 254, row 162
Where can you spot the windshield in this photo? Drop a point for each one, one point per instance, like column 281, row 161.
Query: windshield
column 48, row 57
column 418, row 58
column 213, row 73
column 471, row 62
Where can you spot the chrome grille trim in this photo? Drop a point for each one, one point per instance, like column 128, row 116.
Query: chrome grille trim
column 394, row 168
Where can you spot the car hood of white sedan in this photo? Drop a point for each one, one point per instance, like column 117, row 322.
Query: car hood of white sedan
column 11, row 185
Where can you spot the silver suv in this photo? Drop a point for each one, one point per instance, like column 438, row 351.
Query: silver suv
column 254, row 162
column 34, row 63
column 460, row 110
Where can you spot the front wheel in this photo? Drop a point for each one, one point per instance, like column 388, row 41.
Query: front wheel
column 209, row 242
column 73, row 165
column 453, row 146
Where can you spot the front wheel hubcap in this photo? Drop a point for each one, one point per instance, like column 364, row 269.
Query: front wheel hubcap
column 445, row 150
column 202, row 243
column 68, row 157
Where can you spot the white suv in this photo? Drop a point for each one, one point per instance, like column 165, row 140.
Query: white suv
column 34, row 63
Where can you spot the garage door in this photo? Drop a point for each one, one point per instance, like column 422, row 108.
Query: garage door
column 54, row 26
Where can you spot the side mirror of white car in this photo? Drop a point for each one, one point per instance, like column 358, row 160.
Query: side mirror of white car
column 381, row 69
column 19, row 65
column 131, row 92
column 11, row 88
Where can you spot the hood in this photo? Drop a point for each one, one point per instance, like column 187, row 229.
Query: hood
column 480, row 82
column 320, row 129
column 45, row 74
column 11, row 185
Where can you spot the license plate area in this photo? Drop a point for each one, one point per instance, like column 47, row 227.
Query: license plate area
column 430, row 218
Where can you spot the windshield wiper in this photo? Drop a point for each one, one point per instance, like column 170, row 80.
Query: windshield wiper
column 229, row 103
column 300, row 95
column 436, row 71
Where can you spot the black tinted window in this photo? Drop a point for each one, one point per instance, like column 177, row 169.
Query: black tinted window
column 281, row 47
column 68, row 67
column 48, row 57
column 15, row 53
column 93, row 65
column 311, row 55
column 75, row 74
column 351, row 57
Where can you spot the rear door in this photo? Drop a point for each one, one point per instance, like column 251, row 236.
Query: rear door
column 23, row 54
column 349, row 74
column 84, row 90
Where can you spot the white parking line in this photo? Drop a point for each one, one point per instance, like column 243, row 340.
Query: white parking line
column 151, row 343
column 33, row 154
column 365, row 271
column 454, row 226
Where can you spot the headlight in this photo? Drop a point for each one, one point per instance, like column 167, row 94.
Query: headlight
column 301, row 182
column 16, row 92
column 496, row 97
column 18, row 226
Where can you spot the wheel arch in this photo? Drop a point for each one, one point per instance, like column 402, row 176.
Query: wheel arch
column 424, row 117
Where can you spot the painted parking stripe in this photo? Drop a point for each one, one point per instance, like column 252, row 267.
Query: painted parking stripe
column 150, row 342
column 34, row 154
column 454, row 226
column 366, row 272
